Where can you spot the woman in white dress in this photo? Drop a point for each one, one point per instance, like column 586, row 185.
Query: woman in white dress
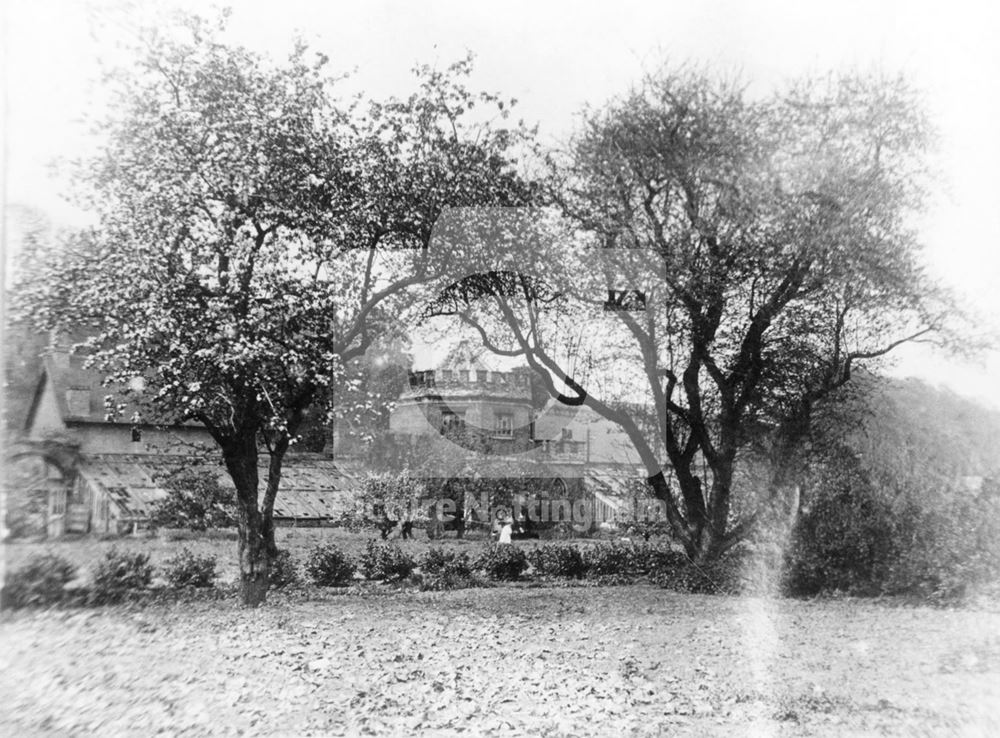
column 506, row 528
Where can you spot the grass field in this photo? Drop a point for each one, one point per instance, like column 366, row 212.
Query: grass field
column 510, row 660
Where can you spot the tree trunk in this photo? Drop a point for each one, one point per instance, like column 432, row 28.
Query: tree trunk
column 678, row 525
column 256, row 538
column 255, row 565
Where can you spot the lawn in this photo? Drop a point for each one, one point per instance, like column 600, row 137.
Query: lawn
column 503, row 661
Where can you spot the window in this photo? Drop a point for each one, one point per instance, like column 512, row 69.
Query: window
column 481, row 376
column 567, row 434
column 504, row 425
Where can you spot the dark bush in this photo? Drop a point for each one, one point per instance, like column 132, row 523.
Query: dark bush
column 41, row 581
column 502, row 561
column 616, row 560
column 283, row 572
column 675, row 571
column 445, row 561
column 120, row 574
column 558, row 560
column 861, row 535
column 845, row 540
column 328, row 566
column 441, row 568
column 385, row 561
column 188, row 569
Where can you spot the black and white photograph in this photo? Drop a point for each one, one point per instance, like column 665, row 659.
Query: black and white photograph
column 526, row 369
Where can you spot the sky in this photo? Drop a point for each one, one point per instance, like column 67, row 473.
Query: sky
column 556, row 57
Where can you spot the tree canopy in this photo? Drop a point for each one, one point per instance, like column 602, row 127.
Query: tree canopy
column 255, row 234
column 725, row 262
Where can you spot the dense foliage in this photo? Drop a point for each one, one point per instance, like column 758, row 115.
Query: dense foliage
column 503, row 562
column 442, row 568
column 857, row 536
column 558, row 560
column 615, row 559
column 391, row 496
column 41, row 581
column 120, row 574
column 188, row 569
column 284, row 570
column 328, row 566
column 901, row 497
column 195, row 500
column 385, row 561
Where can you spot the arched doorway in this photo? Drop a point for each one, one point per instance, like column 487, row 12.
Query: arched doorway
column 37, row 492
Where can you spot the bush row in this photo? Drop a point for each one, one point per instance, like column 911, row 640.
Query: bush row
column 44, row 579
column 119, row 575
column 443, row 568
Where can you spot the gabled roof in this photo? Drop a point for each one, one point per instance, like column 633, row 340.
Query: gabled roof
column 80, row 393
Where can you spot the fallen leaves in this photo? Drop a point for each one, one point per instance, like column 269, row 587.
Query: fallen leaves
column 558, row 662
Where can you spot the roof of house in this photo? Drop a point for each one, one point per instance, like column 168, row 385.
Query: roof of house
column 80, row 393
column 311, row 487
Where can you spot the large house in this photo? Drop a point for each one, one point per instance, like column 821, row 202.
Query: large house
column 472, row 414
column 77, row 469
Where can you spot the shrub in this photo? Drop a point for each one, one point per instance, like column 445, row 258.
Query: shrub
column 119, row 574
column 952, row 547
column 195, row 500
column 188, row 569
column 675, row 571
column 41, row 581
column 558, row 560
column 284, row 571
column 328, row 566
column 844, row 541
column 502, row 561
column 617, row 560
column 441, row 568
column 445, row 561
column 385, row 561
